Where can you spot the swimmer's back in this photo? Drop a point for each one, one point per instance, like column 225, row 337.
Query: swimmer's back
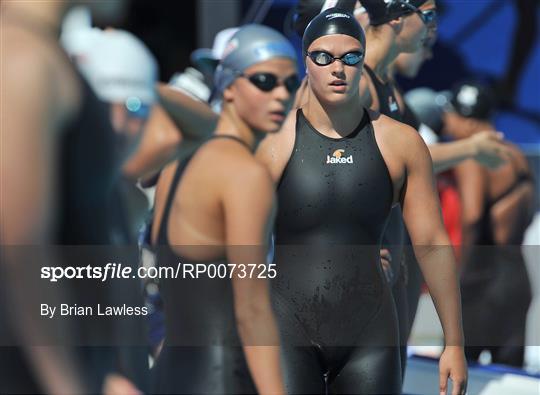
column 511, row 193
column 504, row 178
column 504, row 201
column 220, row 167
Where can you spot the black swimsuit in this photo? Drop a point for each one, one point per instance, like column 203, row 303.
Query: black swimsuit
column 202, row 352
column 394, row 234
column 495, row 284
column 334, row 308
column 388, row 104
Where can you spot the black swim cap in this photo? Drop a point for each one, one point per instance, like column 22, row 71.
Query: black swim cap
column 332, row 21
column 306, row 10
column 472, row 99
column 383, row 11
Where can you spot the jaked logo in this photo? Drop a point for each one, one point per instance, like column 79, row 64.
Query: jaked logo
column 338, row 157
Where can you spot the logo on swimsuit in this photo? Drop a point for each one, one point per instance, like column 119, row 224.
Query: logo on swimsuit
column 337, row 157
column 392, row 104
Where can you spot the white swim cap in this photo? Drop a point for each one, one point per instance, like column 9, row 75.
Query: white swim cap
column 78, row 36
column 119, row 66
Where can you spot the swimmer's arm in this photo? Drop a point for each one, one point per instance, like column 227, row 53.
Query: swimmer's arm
column 486, row 148
column 447, row 155
column 249, row 211
column 159, row 146
column 195, row 119
column 30, row 150
column 275, row 149
column 422, row 215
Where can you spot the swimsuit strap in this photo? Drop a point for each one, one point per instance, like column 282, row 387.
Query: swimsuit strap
column 231, row 137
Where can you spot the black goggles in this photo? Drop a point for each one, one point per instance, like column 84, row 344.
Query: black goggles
column 322, row 58
column 429, row 17
column 267, row 82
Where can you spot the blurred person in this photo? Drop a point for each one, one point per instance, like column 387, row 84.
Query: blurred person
column 427, row 104
column 339, row 337
column 107, row 63
column 395, row 27
column 497, row 206
column 217, row 206
column 58, row 197
column 487, row 148
column 106, row 59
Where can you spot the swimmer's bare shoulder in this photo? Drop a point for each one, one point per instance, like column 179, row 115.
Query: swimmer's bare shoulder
column 233, row 164
column 403, row 151
column 37, row 70
column 276, row 149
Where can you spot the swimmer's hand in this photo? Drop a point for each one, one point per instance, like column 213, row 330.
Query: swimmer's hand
column 488, row 149
column 386, row 259
column 118, row 385
column 453, row 365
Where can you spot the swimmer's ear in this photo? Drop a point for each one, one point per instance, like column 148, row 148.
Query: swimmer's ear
column 228, row 94
column 396, row 24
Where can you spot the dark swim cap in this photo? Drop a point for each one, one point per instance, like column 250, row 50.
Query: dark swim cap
column 332, row 21
column 472, row 99
column 306, row 10
column 383, row 11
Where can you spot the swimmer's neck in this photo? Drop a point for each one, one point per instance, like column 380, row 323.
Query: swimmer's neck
column 229, row 123
column 334, row 120
column 383, row 50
